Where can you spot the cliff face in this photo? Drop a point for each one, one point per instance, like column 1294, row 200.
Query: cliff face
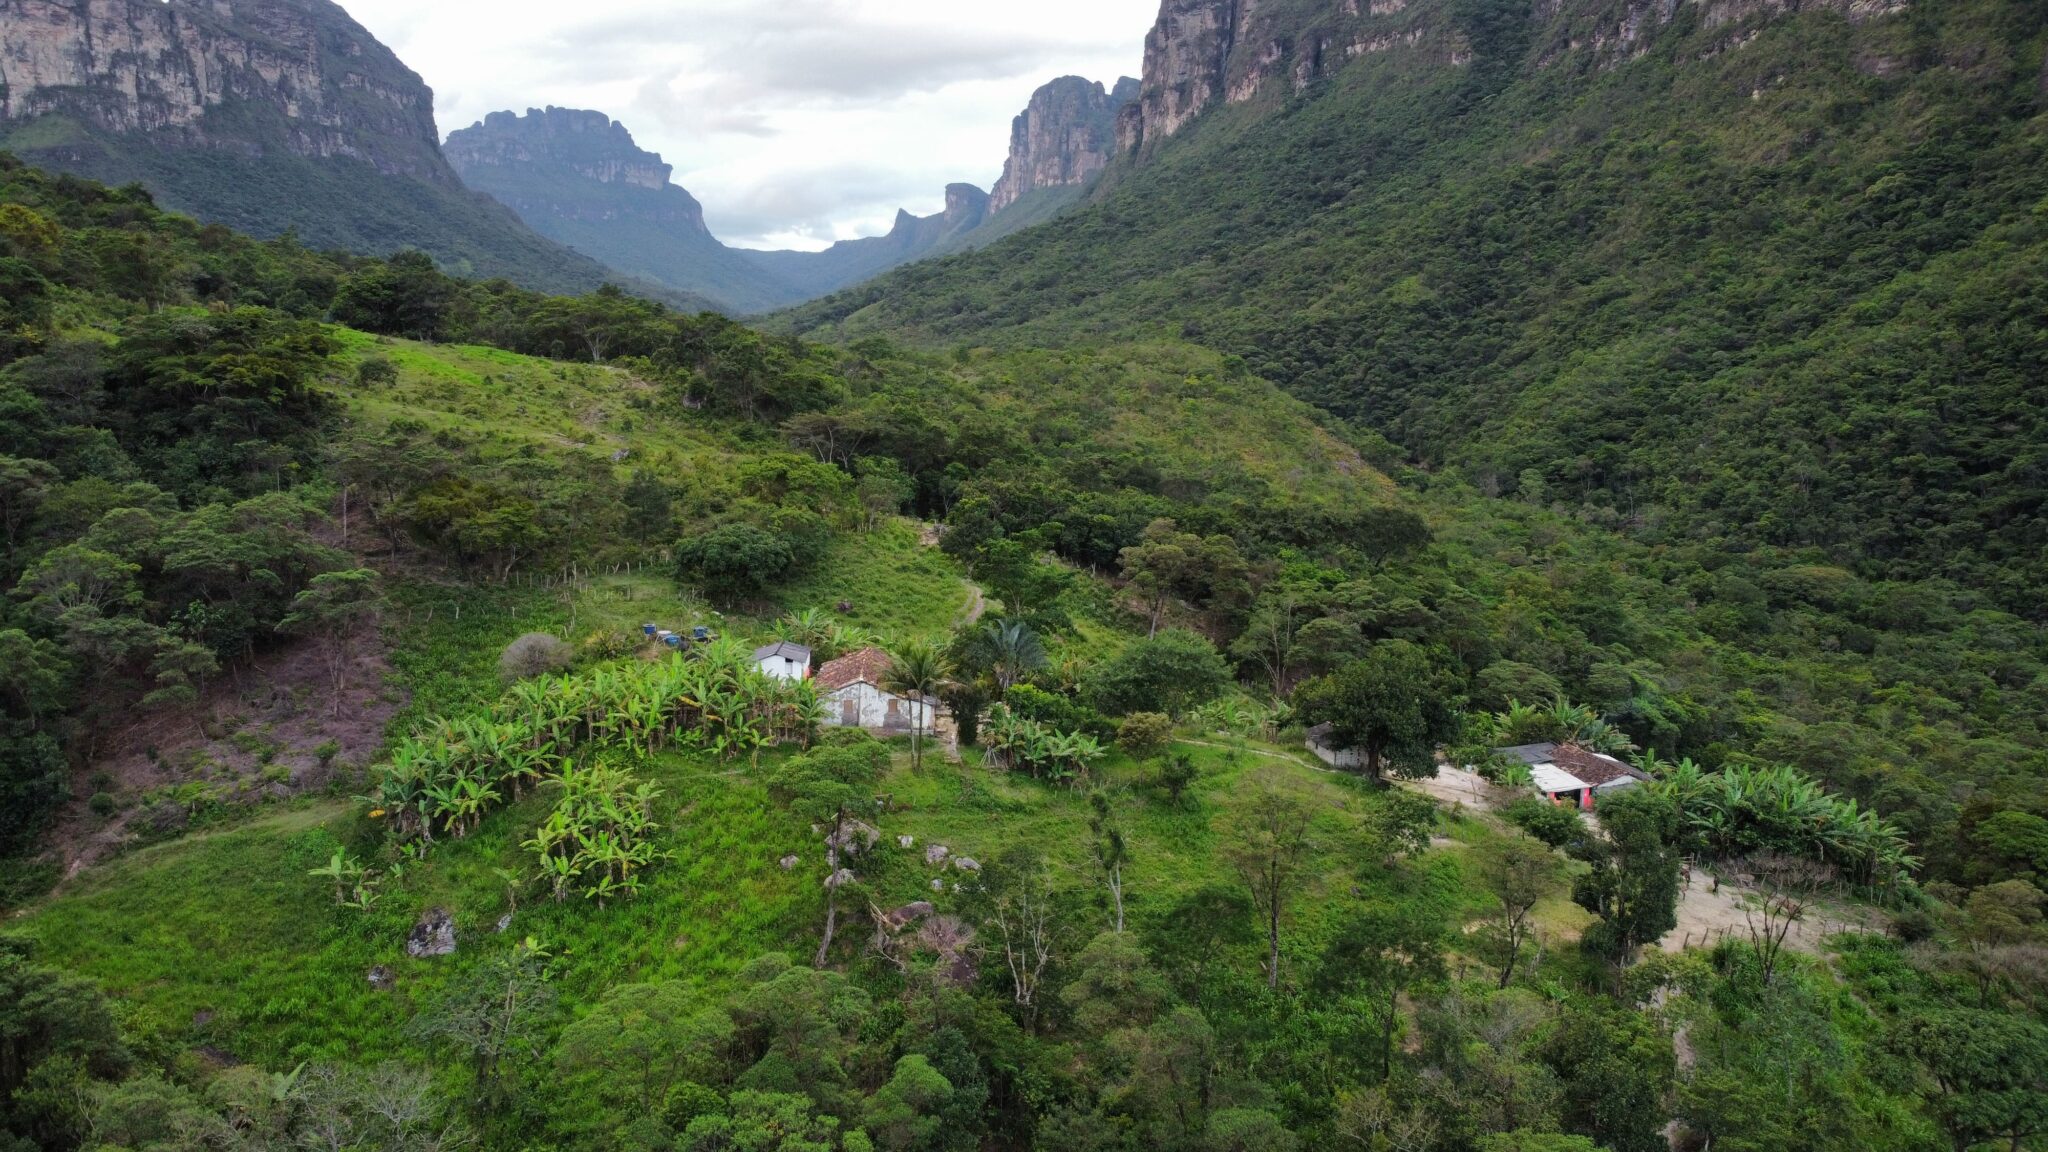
column 549, row 162
column 300, row 77
column 265, row 115
column 1202, row 53
column 1063, row 139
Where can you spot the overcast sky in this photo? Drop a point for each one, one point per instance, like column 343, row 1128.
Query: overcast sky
column 796, row 122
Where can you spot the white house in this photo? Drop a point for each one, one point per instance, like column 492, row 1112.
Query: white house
column 851, row 690
column 784, row 661
column 1568, row 774
column 1326, row 750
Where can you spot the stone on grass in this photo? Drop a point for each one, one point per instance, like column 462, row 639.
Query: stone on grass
column 906, row 841
column 936, row 854
column 434, row 935
column 789, row 863
column 967, row 864
column 383, row 979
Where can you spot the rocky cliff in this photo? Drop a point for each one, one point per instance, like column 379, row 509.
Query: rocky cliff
column 265, row 115
column 1063, row 139
column 1201, row 53
column 299, row 77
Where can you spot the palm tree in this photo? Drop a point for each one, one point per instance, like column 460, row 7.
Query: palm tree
column 1012, row 652
column 917, row 671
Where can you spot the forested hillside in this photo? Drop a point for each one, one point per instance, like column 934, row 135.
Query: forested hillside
column 1745, row 280
column 592, row 894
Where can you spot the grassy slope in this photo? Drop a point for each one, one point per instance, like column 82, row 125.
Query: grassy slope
column 222, row 938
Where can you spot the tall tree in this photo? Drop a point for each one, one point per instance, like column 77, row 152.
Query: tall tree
column 1106, row 842
column 828, row 786
column 1269, row 840
column 1395, row 707
column 338, row 607
column 918, row 671
column 1633, row 882
column 1520, row 872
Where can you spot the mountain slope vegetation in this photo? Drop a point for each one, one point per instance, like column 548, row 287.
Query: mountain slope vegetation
column 593, row 893
column 1771, row 281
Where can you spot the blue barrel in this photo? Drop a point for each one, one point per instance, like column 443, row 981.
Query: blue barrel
column 649, row 629
column 673, row 641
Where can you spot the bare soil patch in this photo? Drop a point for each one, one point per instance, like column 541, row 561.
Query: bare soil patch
column 264, row 731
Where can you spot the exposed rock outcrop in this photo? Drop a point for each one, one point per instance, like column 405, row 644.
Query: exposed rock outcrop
column 266, row 115
column 536, row 163
column 300, row 77
column 1202, row 53
column 1063, row 139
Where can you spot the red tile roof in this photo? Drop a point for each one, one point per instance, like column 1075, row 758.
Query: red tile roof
column 1594, row 769
column 867, row 666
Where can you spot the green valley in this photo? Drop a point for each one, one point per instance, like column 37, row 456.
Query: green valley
column 1475, row 589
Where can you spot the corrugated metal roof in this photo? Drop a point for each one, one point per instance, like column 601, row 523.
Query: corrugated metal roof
column 1550, row 780
column 796, row 652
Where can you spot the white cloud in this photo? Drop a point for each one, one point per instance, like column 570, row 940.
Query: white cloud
column 796, row 122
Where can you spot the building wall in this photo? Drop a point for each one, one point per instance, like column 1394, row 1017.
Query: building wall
column 866, row 706
column 783, row 668
column 1347, row 758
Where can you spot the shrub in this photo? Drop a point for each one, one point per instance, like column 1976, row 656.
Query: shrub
column 102, row 804
column 1176, row 775
column 1056, row 711
column 1170, row 673
column 376, row 371
column 1545, row 821
column 1144, row 735
column 535, row 654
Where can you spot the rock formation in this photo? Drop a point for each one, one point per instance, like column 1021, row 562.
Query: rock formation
column 301, row 77
column 579, row 178
column 1201, row 53
column 1063, row 139
column 265, row 115
column 522, row 160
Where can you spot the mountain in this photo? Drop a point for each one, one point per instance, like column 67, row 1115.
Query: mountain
column 1735, row 275
column 268, row 116
column 851, row 261
column 578, row 178
column 1063, row 139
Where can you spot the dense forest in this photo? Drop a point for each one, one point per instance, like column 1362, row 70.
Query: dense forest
column 1129, row 915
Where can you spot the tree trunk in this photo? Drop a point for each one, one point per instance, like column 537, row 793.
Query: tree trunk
column 831, row 925
column 1273, row 944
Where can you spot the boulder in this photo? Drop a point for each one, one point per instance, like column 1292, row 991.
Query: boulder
column 967, row 864
column 434, row 935
column 907, row 915
column 789, row 863
column 938, row 885
column 906, row 842
column 936, row 854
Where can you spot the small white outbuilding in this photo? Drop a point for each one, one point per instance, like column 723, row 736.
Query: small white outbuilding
column 784, row 661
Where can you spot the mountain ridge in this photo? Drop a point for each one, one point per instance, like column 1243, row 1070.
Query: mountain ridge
column 268, row 116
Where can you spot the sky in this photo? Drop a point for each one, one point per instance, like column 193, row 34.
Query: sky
column 796, row 122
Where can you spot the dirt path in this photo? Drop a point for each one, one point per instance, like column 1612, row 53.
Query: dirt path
column 1456, row 786
column 977, row 605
